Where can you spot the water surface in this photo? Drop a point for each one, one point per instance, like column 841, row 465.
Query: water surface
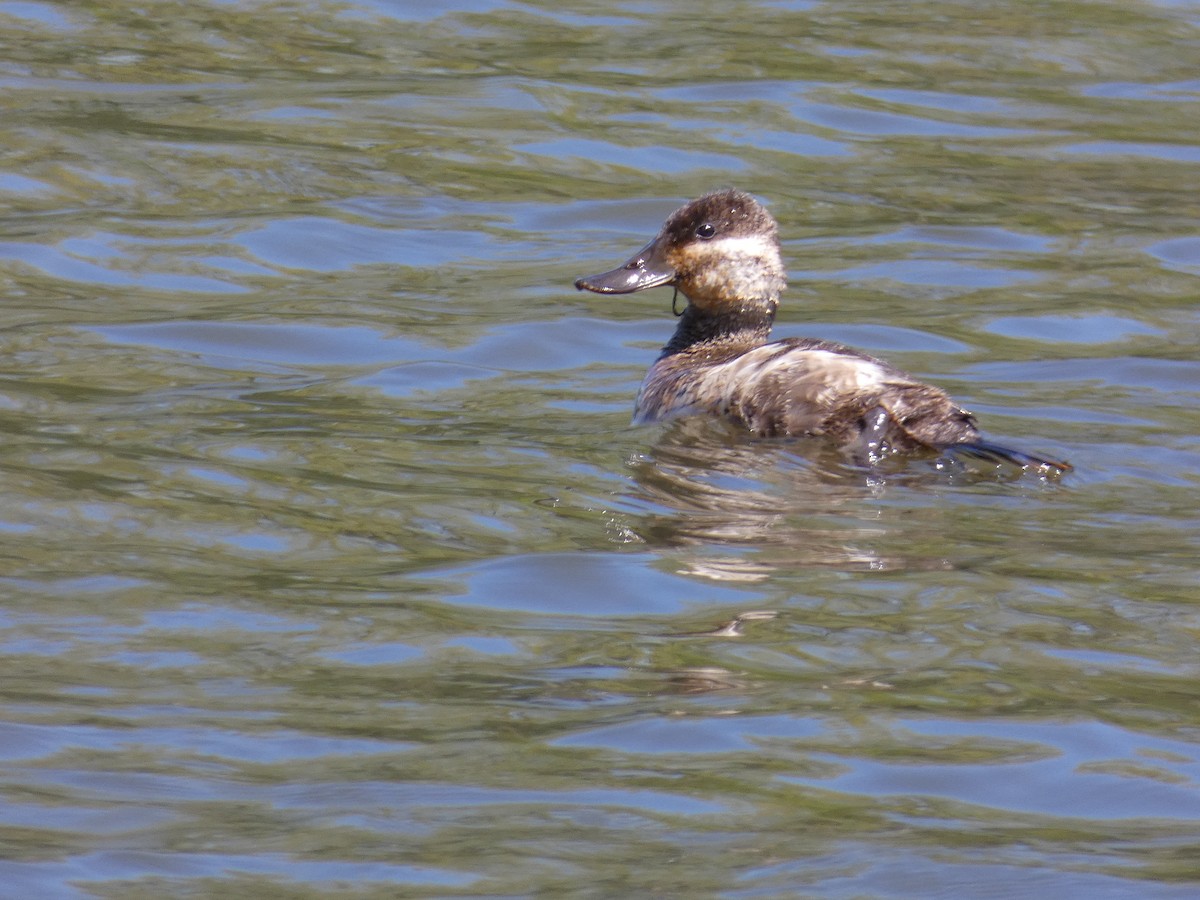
column 332, row 566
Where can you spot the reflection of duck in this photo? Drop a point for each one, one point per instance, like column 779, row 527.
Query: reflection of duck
column 741, row 511
column 722, row 253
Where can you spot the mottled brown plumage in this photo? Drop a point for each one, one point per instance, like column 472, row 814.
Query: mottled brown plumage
column 722, row 253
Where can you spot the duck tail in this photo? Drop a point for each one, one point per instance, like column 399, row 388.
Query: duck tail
column 990, row 452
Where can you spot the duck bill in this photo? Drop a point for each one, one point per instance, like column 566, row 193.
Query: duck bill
column 646, row 269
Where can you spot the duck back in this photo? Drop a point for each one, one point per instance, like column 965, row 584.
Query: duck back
column 803, row 386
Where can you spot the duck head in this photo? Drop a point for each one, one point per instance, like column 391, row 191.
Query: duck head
column 721, row 251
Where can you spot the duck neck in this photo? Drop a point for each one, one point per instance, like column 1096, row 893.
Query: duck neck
column 749, row 323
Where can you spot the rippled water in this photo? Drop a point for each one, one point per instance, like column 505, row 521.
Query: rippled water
column 332, row 567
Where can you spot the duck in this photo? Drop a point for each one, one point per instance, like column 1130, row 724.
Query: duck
column 721, row 252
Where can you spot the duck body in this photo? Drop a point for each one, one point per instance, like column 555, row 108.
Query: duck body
column 804, row 386
column 722, row 253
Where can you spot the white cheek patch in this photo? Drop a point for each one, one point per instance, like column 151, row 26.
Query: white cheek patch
column 751, row 245
column 720, row 253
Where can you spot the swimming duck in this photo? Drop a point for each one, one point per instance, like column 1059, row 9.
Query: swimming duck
column 722, row 253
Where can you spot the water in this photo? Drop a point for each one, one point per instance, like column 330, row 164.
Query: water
column 332, row 567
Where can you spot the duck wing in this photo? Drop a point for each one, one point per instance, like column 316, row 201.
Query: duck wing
column 807, row 386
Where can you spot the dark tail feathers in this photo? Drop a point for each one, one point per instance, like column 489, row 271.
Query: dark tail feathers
column 995, row 453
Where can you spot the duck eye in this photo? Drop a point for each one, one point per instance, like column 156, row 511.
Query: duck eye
column 706, row 231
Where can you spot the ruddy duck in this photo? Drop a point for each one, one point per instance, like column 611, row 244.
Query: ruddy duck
column 722, row 253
